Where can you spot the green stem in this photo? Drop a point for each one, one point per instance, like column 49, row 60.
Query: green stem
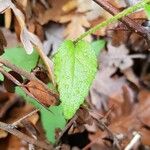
column 114, row 19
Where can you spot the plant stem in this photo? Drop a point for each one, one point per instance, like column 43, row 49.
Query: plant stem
column 130, row 23
column 9, row 128
column 27, row 75
column 114, row 18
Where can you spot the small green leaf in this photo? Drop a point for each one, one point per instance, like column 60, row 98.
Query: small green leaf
column 75, row 67
column 51, row 120
column 147, row 10
column 20, row 58
column 97, row 46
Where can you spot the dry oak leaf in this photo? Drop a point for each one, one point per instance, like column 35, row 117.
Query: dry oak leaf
column 136, row 119
column 40, row 93
column 76, row 26
column 53, row 13
column 126, row 118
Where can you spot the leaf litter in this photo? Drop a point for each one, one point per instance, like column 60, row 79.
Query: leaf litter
column 117, row 106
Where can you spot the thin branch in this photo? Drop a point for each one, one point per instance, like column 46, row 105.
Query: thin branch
column 24, row 117
column 114, row 18
column 45, row 60
column 9, row 128
column 66, row 128
column 9, row 76
column 134, row 26
column 29, row 76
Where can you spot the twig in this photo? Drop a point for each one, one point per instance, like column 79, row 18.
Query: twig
column 20, row 85
column 66, row 128
column 134, row 141
column 134, row 26
column 45, row 60
column 9, row 128
column 29, row 76
column 114, row 18
column 24, row 117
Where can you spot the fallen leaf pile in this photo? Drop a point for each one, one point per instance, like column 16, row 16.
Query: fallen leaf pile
column 116, row 111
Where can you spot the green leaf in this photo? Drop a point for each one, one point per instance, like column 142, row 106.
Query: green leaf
column 20, row 58
column 52, row 121
column 147, row 10
column 75, row 67
column 52, row 118
column 97, row 46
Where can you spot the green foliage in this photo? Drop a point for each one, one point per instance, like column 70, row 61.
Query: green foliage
column 51, row 118
column 75, row 66
column 20, row 58
column 52, row 121
column 97, row 46
column 147, row 10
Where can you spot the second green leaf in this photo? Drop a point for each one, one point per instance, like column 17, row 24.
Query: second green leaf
column 75, row 66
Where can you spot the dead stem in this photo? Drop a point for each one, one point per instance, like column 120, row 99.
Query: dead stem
column 66, row 128
column 24, row 117
column 9, row 128
column 134, row 26
column 29, row 76
column 9, row 76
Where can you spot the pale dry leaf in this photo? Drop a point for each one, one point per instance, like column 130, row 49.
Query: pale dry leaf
column 54, row 36
column 25, row 36
column 76, row 27
column 29, row 39
column 26, row 42
column 53, row 13
column 91, row 10
column 118, row 57
column 100, row 89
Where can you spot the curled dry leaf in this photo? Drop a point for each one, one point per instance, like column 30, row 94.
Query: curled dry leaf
column 28, row 39
column 90, row 8
column 76, row 26
column 43, row 95
column 55, row 10
column 131, row 117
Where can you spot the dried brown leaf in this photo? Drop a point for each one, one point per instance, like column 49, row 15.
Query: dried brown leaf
column 76, row 26
column 53, row 13
column 43, row 95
